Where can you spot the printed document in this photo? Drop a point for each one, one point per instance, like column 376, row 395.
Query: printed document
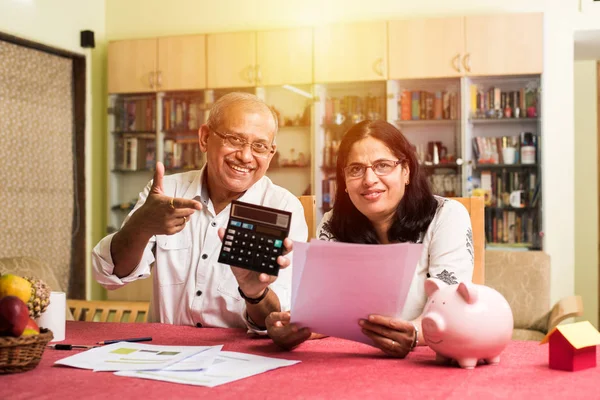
column 334, row 285
column 228, row 367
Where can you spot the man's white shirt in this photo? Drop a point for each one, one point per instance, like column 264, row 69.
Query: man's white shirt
column 190, row 286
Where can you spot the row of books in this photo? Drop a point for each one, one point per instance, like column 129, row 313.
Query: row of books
column 183, row 153
column 496, row 103
column 134, row 153
column 184, row 114
column 497, row 187
column 423, row 105
column 135, row 115
column 510, row 227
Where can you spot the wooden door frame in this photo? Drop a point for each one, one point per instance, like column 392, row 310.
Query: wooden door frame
column 77, row 273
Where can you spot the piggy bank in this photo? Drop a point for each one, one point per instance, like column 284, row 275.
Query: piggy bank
column 466, row 322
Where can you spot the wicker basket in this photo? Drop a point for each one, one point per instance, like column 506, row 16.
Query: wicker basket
column 23, row 353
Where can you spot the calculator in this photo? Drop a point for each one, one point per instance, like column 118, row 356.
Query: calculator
column 254, row 237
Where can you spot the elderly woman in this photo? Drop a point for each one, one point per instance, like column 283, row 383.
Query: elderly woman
column 382, row 197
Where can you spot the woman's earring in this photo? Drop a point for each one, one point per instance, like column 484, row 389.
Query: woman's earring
column 407, row 182
column 346, row 190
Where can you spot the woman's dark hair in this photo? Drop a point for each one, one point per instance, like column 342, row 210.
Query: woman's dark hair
column 416, row 209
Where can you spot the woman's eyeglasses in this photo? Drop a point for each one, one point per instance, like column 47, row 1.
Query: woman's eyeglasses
column 235, row 142
column 381, row 168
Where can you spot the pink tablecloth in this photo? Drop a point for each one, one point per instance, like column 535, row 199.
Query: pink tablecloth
column 330, row 369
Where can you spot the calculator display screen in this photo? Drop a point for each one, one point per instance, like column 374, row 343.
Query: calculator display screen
column 254, row 214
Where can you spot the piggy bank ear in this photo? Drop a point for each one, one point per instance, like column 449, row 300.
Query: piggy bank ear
column 468, row 291
column 432, row 285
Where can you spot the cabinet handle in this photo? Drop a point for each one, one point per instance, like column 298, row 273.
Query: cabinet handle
column 456, row 62
column 159, row 79
column 250, row 73
column 467, row 62
column 378, row 66
column 151, row 79
column 258, row 74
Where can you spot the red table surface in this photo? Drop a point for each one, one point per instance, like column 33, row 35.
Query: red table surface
column 331, row 368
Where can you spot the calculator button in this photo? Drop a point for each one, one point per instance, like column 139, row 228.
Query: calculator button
column 230, row 231
column 246, row 235
column 270, row 241
column 260, row 247
column 239, row 258
column 273, row 259
column 250, row 245
column 236, row 223
column 275, row 251
column 229, row 237
column 247, row 260
column 253, row 237
column 228, row 243
column 244, row 243
column 242, row 251
column 278, row 243
column 271, row 266
column 247, row 226
column 227, row 249
column 236, row 242
column 261, row 239
column 238, row 233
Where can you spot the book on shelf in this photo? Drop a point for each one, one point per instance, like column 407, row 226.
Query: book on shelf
column 496, row 103
column 509, row 227
column 182, row 154
column 423, row 105
column 183, row 114
column 135, row 115
column 134, row 153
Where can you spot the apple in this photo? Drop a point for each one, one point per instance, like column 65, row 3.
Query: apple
column 31, row 328
column 14, row 315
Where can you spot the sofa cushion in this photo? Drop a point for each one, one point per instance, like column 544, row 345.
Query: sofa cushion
column 523, row 278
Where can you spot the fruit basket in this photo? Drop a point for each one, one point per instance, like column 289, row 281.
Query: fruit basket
column 20, row 354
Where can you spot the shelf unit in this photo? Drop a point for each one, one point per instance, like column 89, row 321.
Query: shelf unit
column 487, row 133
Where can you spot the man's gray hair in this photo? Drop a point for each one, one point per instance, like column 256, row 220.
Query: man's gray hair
column 247, row 101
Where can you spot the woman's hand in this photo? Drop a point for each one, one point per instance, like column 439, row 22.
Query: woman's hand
column 394, row 337
column 284, row 333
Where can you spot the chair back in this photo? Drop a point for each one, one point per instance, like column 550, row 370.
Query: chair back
column 109, row 311
column 310, row 214
column 476, row 208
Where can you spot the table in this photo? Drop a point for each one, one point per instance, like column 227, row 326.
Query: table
column 331, row 368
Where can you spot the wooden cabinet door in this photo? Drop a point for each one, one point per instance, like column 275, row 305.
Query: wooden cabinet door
column 284, row 57
column 181, row 63
column 351, row 52
column 132, row 66
column 505, row 44
column 231, row 60
column 426, row 48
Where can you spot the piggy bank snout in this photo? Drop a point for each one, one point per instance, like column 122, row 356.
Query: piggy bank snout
column 433, row 322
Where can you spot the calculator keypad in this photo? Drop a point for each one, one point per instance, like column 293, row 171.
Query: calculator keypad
column 243, row 247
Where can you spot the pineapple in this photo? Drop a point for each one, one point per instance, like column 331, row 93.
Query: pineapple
column 40, row 297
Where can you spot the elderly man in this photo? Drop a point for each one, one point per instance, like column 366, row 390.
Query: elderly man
column 179, row 219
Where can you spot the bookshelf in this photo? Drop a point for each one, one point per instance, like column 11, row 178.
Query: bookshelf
column 503, row 139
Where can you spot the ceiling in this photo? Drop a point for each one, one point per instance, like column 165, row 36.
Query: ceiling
column 587, row 45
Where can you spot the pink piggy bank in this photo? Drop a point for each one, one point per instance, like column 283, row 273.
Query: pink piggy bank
column 466, row 322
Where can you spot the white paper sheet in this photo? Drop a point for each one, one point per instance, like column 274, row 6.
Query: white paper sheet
column 130, row 356
column 227, row 367
column 341, row 283
column 197, row 362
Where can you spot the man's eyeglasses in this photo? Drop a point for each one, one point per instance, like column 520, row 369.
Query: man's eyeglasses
column 259, row 149
column 381, row 168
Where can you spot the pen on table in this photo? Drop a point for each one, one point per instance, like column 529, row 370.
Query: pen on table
column 70, row 346
column 140, row 339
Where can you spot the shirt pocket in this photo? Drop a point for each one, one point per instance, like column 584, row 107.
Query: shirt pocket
column 173, row 258
column 228, row 286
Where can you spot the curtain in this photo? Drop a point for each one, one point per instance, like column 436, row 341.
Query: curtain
column 36, row 157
